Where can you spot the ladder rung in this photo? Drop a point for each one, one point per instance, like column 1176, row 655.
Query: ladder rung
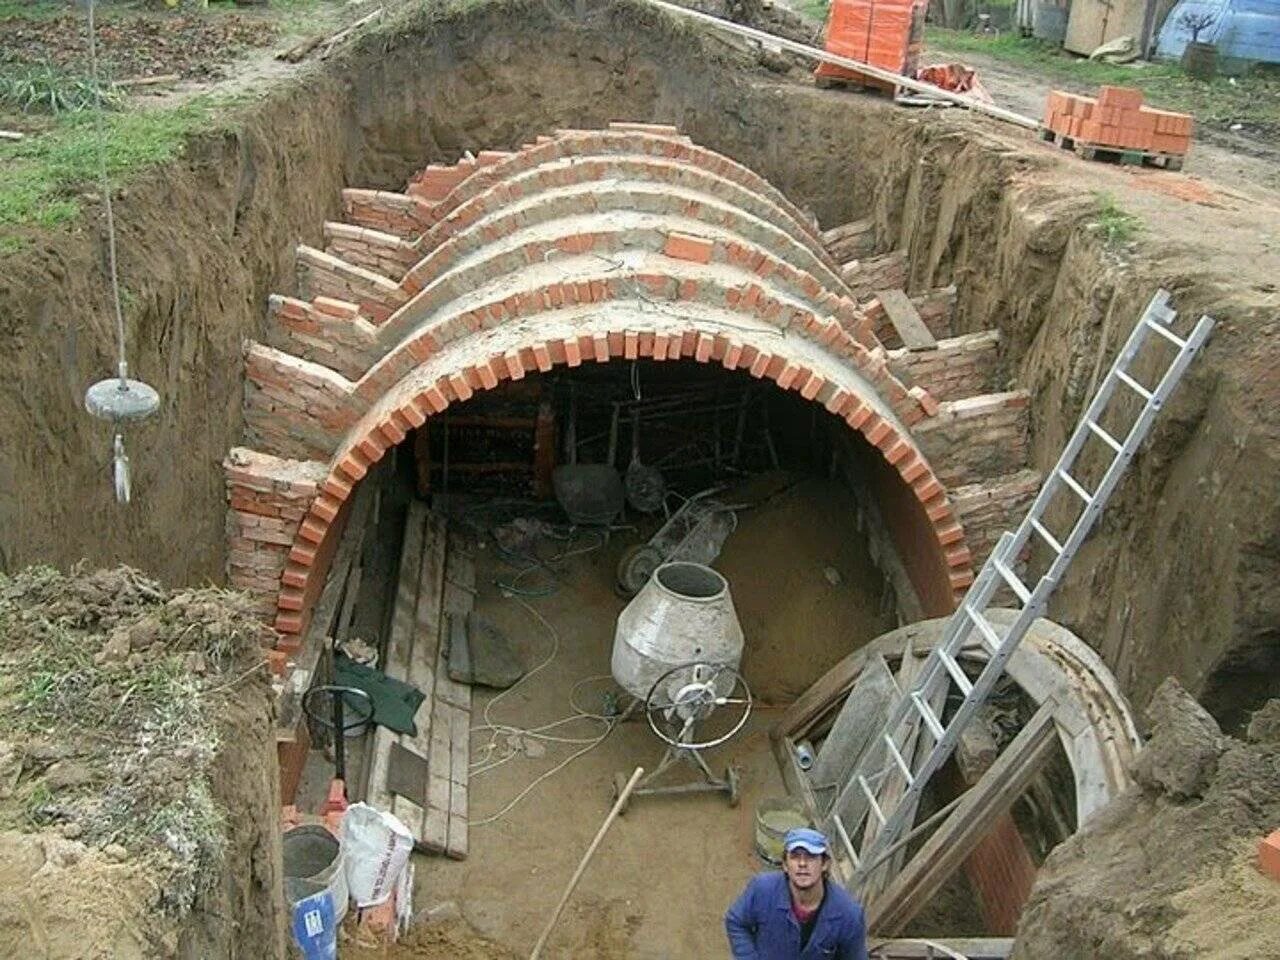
column 1165, row 332
column 1048, row 537
column 844, row 839
column 897, row 758
column 1081, row 492
column 1105, row 437
column 926, row 714
column 957, row 674
column 989, row 636
column 1011, row 578
column 1134, row 385
column 871, row 798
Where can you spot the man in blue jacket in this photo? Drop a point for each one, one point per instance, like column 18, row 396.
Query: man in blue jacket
column 797, row 914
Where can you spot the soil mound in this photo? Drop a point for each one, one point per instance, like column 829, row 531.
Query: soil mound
column 1169, row 869
column 135, row 769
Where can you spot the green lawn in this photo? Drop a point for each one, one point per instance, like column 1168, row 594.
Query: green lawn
column 44, row 174
column 1253, row 100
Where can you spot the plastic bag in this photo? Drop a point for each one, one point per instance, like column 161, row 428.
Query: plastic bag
column 315, row 928
column 376, row 847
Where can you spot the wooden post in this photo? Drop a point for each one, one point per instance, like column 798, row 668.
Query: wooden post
column 618, row 804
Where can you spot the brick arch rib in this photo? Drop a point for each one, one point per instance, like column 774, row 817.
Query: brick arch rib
column 923, row 514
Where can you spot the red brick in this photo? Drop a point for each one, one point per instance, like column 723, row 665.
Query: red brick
column 681, row 246
column 1269, row 855
column 1126, row 98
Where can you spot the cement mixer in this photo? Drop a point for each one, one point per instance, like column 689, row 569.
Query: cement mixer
column 677, row 650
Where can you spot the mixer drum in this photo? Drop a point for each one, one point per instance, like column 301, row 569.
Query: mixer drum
column 683, row 614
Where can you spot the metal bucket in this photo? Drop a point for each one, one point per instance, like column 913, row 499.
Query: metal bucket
column 774, row 818
column 313, row 863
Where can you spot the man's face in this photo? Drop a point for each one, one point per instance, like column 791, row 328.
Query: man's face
column 803, row 868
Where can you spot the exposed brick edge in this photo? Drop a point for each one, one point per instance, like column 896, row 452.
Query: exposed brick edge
column 361, row 451
column 550, row 174
column 581, row 143
column 386, row 212
column 474, row 226
column 752, row 299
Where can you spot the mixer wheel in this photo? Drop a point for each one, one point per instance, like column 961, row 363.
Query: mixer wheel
column 731, row 775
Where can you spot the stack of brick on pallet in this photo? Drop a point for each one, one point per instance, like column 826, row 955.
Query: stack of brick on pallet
column 1118, row 120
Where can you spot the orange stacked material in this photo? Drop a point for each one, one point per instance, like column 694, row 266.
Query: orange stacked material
column 888, row 34
column 1117, row 120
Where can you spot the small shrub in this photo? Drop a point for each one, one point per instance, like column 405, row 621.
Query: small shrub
column 1115, row 226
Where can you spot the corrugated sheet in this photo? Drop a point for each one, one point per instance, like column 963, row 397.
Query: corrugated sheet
column 1245, row 29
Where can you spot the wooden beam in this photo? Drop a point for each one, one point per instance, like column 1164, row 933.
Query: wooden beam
column 889, row 76
column 971, row 948
column 953, row 842
column 906, row 320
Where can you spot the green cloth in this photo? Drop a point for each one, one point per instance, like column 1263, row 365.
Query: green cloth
column 394, row 701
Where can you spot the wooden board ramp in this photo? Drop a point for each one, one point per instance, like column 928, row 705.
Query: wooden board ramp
column 906, row 320
column 434, row 804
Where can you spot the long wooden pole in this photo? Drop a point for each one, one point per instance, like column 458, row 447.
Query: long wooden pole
column 586, row 858
column 889, row 76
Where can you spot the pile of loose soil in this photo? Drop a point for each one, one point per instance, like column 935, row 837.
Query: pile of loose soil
column 803, row 583
column 138, row 44
column 129, row 715
column 445, row 940
column 1169, row 869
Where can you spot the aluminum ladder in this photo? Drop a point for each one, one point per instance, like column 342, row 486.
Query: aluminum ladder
column 888, row 769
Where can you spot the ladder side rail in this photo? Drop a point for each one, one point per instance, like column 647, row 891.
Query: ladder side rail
column 957, row 632
column 1136, row 436
column 1076, row 442
column 982, row 687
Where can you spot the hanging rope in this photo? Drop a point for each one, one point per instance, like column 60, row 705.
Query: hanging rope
column 119, row 399
column 122, row 364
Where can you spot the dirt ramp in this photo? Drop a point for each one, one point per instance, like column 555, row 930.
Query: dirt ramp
column 1169, row 869
column 138, row 797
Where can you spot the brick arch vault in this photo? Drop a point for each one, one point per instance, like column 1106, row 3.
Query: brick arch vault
column 584, row 247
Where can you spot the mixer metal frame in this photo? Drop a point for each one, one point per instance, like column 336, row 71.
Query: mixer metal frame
column 691, row 703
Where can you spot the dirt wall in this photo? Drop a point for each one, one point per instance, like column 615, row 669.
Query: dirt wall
column 1166, row 586
column 202, row 241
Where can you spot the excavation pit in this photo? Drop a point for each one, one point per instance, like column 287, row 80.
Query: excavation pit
column 990, row 238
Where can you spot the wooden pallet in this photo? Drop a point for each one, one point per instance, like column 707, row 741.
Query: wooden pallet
column 1109, row 154
column 434, row 571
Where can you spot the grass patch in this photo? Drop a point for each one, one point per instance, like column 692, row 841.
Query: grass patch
column 31, row 9
column 43, row 173
column 1115, row 226
column 1252, row 100
column 817, row 9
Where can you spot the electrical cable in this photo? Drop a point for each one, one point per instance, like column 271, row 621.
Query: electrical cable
column 537, row 733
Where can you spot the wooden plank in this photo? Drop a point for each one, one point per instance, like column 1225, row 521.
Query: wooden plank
column 459, row 760
column 823, row 56
column 906, row 320
column 396, row 661
column 974, row 948
column 422, row 659
column 952, row 843
column 859, row 720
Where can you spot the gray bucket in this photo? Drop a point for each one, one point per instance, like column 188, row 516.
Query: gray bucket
column 312, row 863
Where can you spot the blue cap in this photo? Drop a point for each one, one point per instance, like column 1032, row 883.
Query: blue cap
column 806, row 839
